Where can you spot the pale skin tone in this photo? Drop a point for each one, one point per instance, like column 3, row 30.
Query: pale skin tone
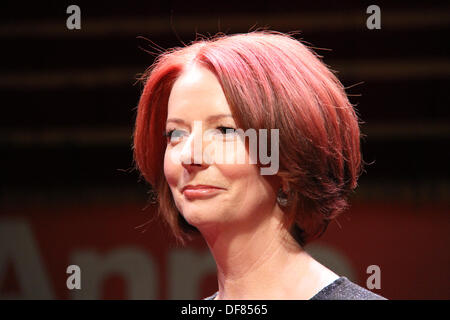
column 256, row 257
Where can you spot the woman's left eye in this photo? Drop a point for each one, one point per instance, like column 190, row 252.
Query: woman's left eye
column 227, row 130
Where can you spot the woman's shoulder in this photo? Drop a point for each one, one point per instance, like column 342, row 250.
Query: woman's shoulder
column 343, row 289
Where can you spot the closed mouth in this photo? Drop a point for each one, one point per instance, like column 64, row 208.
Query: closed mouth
column 200, row 186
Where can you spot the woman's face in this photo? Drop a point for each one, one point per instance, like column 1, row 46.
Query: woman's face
column 197, row 111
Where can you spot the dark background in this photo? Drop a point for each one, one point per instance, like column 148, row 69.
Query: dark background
column 69, row 97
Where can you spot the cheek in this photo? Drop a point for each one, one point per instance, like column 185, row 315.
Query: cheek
column 234, row 163
column 171, row 169
column 249, row 192
column 236, row 171
column 243, row 177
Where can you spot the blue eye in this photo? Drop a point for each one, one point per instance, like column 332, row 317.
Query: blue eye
column 173, row 134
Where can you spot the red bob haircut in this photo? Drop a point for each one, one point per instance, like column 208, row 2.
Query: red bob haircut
column 271, row 81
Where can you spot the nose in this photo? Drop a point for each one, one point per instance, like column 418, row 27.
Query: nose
column 192, row 153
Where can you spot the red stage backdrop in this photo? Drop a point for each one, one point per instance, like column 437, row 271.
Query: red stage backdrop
column 118, row 260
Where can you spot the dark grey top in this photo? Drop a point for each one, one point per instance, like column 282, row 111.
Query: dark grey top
column 340, row 289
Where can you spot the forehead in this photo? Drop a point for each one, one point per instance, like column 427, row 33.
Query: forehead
column 197, row 92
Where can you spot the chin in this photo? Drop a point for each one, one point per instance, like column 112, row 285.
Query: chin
column 199, row 217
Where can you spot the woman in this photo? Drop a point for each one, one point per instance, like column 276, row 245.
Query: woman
column 196, row 103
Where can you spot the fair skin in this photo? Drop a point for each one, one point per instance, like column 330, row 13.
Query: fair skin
column 256, row 257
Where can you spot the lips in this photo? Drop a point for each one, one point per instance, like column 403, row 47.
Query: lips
column 200, row 191
column 199, row 186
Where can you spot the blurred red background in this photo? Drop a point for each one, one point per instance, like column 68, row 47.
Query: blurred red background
column 119, row 260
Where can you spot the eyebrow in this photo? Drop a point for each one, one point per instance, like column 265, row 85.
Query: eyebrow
column 209, row 119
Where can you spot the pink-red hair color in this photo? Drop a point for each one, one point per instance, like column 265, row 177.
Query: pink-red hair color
column 271, row 81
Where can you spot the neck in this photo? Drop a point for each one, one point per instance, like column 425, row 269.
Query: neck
column 262, row 260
